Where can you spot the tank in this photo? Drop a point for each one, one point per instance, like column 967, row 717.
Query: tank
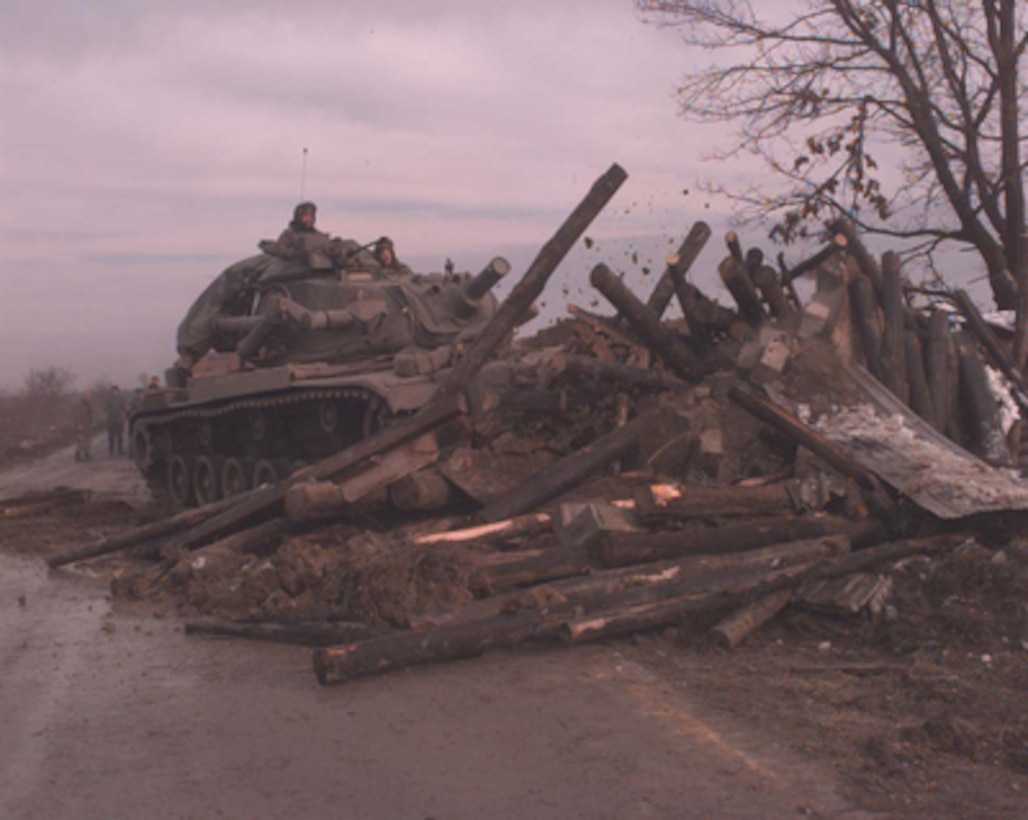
column 283, row 363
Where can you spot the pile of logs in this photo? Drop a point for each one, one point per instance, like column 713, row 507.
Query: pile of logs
column 551, row 556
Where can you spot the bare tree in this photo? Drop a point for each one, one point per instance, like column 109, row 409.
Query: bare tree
column 900, row 114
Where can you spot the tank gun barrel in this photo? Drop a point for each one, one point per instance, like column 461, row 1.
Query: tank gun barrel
column 472, row 291
column 478, row 287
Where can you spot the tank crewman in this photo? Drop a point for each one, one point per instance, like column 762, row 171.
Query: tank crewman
column 116, row 411
column 300, row 238
column 83, row 427
column 385, row 255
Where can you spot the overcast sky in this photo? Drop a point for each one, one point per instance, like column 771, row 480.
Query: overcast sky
column 147, row 145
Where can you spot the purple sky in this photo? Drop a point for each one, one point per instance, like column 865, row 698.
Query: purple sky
column 146, row 146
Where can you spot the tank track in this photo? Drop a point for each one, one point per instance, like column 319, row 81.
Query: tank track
column 197, row 454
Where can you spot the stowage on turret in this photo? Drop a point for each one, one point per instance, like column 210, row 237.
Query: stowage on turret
column 297, row 352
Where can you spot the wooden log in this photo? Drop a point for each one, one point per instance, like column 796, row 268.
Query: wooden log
column 312, row 500
column 920, row 396
column 1000, row 357
column 567, row 472
column 59, row 496
column 865, row 316
column 559, row 562
column 886, row 553
column 937, row 352
column 894, row 356
column 498, row 531
column 644, row 321
column 626, row 617
column 705, row 317
column 623, row 375
column 730, row 632
column 422, row 491
column 774, row 294
column 800, row 433
column 857, row 249
column 837, row 244
column 520, row 299
column 733, row 274
column 400, row 650
column 304, row 633
column 985, row 426
column 678, row 264
column 623, row 550
column 714, row 501
column 144, row 534
column 734, row 248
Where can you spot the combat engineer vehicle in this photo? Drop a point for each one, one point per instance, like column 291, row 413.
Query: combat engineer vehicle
column 284, row 362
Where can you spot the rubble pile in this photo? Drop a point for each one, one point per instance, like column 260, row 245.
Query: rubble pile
column 621, row 472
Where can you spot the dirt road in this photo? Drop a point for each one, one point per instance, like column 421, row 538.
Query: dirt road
column 110, row 712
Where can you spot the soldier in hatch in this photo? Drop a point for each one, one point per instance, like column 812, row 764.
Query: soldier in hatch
column 300, row 237
column 385, row 255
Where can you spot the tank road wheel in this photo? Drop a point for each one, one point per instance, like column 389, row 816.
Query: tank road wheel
column 236, row 476
column 270, row 471
column 180, row 480
column 328, row 416
column 207, row 479
column 258, row 425
column 375, row 414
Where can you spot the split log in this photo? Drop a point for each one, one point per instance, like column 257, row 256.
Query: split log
column 865, row 315
column 733, row 274
column 894, row 357
column 920, row 396
column 730, row 632
column 421, row 491
column 623, row 550
column 148, row 533
column 985, row 426
column 937, row 353
column 564, row 474
column 499, row 531
column 645, row 322
column 304, row 633
column 715, row 501
column 465, row 640
column 678, row 264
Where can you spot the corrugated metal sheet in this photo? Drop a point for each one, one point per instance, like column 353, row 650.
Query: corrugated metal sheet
column 886, row 438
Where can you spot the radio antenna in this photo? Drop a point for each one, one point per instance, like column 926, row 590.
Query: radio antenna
column 303, row 175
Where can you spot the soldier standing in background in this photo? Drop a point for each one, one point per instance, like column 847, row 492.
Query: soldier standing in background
column 83, row 427
column 115, row 421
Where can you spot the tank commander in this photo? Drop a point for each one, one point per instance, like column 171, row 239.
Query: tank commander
column 300, row 238
column 385, row 255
